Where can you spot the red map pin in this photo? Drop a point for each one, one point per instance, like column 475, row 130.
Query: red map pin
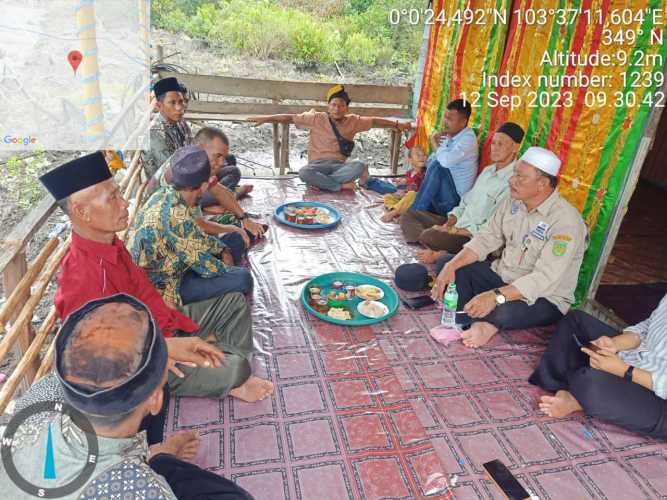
column 74, row 58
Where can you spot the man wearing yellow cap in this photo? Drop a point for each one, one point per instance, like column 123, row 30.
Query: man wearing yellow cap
column 331, row 141
column 543, row 239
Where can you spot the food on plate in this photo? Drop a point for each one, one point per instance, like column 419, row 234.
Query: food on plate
column 337, row 296
column 337, row 284
column 372, row 309
column 349, row 291
column 369, row 292
column 339, row 313
column 314, row 289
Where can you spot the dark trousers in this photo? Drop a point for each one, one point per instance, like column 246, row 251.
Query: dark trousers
column 189, row 482
column 602, row 395
column 194, row 288
column 437, row 193
column 476, row 278
column 154, row 424
column 234, row 241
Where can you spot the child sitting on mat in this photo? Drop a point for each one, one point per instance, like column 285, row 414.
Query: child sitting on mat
column 397, row 203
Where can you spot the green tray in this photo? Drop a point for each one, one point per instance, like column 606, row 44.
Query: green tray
column 324, row 282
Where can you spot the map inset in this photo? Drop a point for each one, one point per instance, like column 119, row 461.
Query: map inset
column 74, row 74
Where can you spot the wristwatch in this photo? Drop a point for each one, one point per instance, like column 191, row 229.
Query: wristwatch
column 628, row 373
column 500, row 298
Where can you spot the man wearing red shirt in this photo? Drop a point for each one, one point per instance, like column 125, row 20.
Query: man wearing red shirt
column 98, row 264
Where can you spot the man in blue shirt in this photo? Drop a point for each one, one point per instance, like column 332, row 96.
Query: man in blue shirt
column 450, row 173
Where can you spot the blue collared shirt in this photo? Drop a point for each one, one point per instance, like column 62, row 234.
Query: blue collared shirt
column 460, row 155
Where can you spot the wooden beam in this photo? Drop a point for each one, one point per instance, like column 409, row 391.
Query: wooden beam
column 250, row 109
column 276, row 146
column 21, row 290
column 15, row 241
column 11, row 278
column 395, row 151
column 288, row 89
column 284, row 148
column 24, row 373
column 24, row 317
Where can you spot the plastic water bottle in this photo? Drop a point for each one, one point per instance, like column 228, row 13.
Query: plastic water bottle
column 449, row 303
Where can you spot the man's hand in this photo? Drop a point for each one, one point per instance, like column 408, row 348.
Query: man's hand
column 255, row 228
column 244, row 235
column 452, row 220
column 606, row 343
column 447, row 275
column 481, row 305
column 460, row 231
column 606, row 362
column 444, row 228
column 192, row 351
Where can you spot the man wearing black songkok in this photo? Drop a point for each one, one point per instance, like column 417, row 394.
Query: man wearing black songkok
column 108, row 384
column 169, row 130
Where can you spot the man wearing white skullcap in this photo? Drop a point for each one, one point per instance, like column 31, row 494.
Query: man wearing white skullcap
column 533, row 282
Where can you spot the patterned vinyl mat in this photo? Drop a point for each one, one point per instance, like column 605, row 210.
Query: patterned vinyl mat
column 385, row 411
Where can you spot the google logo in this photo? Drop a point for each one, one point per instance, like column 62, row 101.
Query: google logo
column 26, row 141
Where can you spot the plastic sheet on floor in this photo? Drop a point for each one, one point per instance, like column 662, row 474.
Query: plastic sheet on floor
column 385, row 411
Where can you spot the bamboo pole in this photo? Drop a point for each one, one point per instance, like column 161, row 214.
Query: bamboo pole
column 25, row 315
column 90, row 72
column 135, row 210
column 130, row 171
column 23, row 286
column 47, row 361
column 21, row 369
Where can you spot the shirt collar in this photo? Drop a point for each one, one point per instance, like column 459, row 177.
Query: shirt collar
column 546, row 205
column 460, row 134
column 110, row 253
column 508, row 168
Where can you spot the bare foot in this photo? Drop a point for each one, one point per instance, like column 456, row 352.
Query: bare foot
column 183, row 445
column 428, row 256
column 253, row 389
column 560, row 405
column 244, row 189
column 389, row 216
column 479, row 334
column 348, row 186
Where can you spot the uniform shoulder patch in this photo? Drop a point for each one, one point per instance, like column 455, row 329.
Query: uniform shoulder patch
column 559, row 247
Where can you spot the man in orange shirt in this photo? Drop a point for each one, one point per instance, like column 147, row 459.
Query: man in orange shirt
column 331, row 141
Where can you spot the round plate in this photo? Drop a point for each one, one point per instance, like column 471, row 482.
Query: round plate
column 324, row 281
column 366, row 297
column 384, row 308
column 279, row 215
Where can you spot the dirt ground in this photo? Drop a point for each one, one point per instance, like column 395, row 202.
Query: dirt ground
column 251, row 144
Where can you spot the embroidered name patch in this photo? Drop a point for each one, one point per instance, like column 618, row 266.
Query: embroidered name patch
column 540, row 232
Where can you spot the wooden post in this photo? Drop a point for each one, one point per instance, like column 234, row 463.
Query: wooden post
column 14, row 271
column 276, row 146
column 395, row 150
column 284, row 148
column 160, row 53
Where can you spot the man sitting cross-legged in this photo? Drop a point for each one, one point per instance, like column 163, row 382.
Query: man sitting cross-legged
column 618, row 377
column 533, row 282
column 183, row 262
column 331, row 140
column 110, row 366
column 450, row 173
column 476, row 206
column 97, row 264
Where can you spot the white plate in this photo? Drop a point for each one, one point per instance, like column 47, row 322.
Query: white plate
column 362, row 307
column 360, row 292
